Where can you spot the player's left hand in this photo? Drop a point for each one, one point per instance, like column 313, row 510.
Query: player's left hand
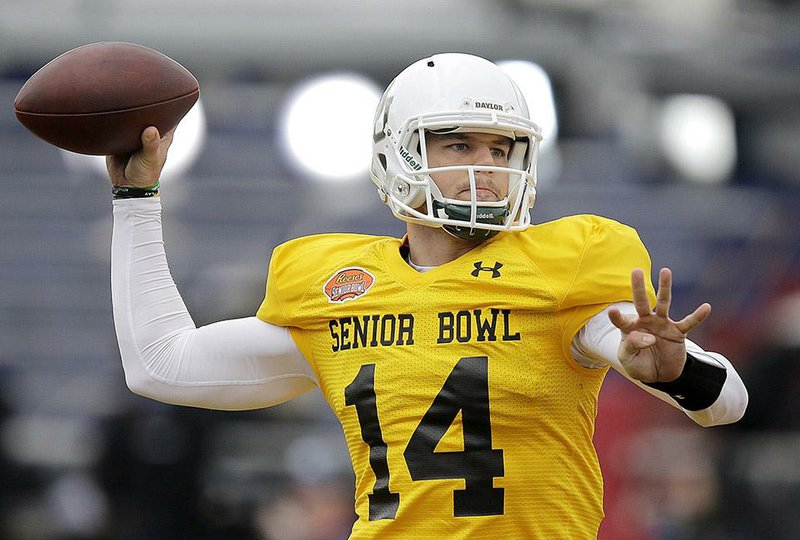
column 653, row 346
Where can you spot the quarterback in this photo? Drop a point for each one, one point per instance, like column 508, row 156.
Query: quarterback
column 463, row 360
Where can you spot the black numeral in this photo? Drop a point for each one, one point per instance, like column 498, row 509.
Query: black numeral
column 361, row 393
column 466, row 390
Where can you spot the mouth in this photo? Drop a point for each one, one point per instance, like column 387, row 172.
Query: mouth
column 482, row 193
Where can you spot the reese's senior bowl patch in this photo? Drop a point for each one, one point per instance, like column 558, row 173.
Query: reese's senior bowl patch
column 348, row 284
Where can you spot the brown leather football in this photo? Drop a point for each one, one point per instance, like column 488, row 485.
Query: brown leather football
column 98, row 98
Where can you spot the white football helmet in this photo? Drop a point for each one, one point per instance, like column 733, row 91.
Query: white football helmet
column 449, row 93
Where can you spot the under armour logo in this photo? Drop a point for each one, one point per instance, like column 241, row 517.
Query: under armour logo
column 495, row 270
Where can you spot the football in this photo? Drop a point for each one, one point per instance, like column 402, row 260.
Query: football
column 97, row 99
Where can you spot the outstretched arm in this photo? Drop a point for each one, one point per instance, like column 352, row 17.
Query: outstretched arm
column 238, row 364
column 652, row 350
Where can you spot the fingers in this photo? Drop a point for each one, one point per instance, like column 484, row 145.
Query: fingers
column 116, row 168
column 639, row 291
column 113, row 165
column 623, row 322
column 656, row 322
column 169, row 135
column 633, row 343
column 664, row 295
column 692, row 320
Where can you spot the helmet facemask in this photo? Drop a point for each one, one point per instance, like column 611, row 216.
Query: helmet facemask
column 414, row 195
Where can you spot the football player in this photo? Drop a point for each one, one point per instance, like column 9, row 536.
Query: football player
column 463, row 360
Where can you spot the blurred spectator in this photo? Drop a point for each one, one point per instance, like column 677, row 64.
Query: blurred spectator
column 659, row 470
column 760, row 470
column 308, row 511
column 150, row 471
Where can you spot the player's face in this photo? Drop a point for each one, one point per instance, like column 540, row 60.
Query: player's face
column 469, row 149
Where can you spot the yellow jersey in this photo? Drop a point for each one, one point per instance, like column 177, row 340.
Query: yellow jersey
column 464, row 413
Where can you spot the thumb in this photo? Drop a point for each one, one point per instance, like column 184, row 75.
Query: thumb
column 144, row 166
column 150, row 143
column 633, row 343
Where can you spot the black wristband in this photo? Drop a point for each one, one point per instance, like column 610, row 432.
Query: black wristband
column 698, row 385
column 125, row 192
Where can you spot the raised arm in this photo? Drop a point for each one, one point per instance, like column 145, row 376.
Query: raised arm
column 237, row 364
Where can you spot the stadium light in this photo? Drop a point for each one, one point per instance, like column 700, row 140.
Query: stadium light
column 698, row 137
column 326, row 126
column 189, row 139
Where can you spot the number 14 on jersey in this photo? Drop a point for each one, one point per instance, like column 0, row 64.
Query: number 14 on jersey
column 466, row 389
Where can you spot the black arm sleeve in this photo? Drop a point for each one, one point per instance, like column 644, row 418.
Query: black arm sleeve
column 698, row 385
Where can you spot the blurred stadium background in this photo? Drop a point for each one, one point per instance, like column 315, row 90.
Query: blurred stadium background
column 679, row 118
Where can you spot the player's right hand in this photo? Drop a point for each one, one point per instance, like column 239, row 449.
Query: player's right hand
column 142, row 168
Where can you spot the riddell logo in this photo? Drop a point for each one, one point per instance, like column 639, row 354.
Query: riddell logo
column 406, row 155
column 348, row 284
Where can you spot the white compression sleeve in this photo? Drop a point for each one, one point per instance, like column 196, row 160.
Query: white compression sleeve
column 596, row 345
column 231, row 365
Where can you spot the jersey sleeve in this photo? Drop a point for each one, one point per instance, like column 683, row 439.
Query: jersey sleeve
column 298, row 270
column 283, row 291
column 606, row 252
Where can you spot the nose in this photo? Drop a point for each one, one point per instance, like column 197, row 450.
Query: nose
column 483, row 155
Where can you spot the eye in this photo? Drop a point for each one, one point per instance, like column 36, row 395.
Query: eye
column 500, row 153
column 460, row 147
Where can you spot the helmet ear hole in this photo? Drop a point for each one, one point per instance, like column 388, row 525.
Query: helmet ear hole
column 416, row 197
column 382, row 160
column 409, row 195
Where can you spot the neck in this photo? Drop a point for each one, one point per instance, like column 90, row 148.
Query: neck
column 432, row 246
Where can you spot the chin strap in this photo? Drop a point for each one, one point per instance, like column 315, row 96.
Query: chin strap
column 492, row 215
